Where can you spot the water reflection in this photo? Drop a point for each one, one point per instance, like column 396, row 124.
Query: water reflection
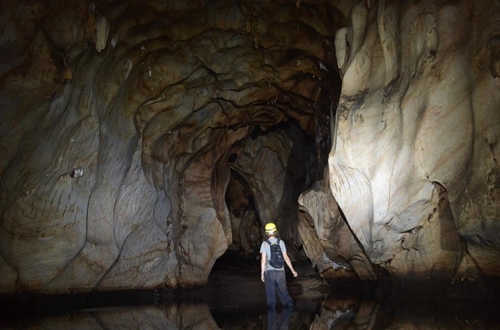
column 330, row 312
column 278, row 322
column 236, row 300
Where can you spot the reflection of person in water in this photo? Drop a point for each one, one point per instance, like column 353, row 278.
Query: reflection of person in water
column 281, row 323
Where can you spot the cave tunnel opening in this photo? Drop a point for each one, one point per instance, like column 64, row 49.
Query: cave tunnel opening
column 245, row 225
column 268, row 172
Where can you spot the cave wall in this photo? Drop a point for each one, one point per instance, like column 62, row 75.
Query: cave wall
column 414, row 165
column 117, row 123
column 327, row 238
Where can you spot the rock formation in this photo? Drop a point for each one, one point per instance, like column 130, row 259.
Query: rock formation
column 414, row 163
column 140, row 141
column 122, row 127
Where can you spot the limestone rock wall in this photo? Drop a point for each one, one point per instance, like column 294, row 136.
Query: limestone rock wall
column 117, row 125
column 414, row 165
column 328, row 241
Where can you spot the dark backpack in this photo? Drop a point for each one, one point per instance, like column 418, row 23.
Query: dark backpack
column 276, row 260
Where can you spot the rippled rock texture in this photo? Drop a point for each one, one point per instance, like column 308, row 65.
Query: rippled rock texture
column 124, row 123
column 414, row 165
column 140, row 141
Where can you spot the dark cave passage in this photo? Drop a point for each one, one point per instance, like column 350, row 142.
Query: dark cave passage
column 245, row 223
column 258, row 194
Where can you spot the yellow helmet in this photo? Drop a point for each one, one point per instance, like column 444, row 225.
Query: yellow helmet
column 270, row 228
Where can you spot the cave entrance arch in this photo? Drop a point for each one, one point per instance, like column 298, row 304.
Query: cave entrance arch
column 243, row 252
column 269, row 169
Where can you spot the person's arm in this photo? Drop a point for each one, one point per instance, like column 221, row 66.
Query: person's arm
column 263, row 258
column 289, row 263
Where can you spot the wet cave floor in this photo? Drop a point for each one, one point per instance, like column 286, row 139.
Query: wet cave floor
column 236, row 292
column 235, row 299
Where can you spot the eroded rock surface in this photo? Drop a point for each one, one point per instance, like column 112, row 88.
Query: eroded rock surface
column 121, row 124
column 328, row 241
column 414, row 166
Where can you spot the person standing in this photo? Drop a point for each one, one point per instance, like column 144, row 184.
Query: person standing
column 274, row 278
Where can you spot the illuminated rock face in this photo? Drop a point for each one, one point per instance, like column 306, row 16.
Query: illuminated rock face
column 121, row 127
column 328, row 240
column 414, row 165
